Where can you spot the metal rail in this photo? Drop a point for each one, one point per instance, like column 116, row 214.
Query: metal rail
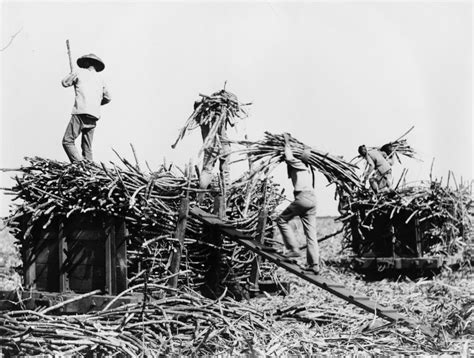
column 336, row 289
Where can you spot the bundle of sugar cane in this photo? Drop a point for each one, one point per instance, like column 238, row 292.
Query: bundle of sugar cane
column 265, row 155
column 399, row 147
column 51, row 191
column 425, row 201
column 215, row 112
column 442, row 212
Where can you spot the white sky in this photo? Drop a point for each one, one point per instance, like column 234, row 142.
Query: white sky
column 335, row 75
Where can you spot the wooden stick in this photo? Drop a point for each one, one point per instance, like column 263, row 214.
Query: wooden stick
column 69, row 55
column 73, row 299
column 404, row 134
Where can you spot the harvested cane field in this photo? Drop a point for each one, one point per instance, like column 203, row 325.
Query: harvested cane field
column 209, row 311
column 306, row 321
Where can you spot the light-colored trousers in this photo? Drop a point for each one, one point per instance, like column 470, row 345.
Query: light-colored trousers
column 303, row 206
column 210, row 158
column 381, row 182
column 79, row 124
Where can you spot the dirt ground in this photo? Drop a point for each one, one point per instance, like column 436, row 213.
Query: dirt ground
column 444, row 302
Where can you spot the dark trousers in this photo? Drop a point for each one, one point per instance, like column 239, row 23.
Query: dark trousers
column 79, row 124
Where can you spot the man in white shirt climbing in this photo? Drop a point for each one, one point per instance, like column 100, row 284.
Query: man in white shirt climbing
column 90, row 94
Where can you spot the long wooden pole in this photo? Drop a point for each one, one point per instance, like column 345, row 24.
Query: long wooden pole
column 71, row 67
column 69, row 55
column 181, row 230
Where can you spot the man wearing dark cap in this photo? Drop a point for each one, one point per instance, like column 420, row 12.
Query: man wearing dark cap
column 387, row 152
column 379, row 170
column 91, row 93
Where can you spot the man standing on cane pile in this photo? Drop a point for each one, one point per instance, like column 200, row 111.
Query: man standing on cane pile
column 212, row 153
column 91, row 93
column 303, row 206
column 379, row 170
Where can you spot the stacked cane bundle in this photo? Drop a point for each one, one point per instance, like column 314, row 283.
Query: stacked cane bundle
column 398, row 147
column 148, row 203
column 266, row 154
column 442, row 213
column 214, row 112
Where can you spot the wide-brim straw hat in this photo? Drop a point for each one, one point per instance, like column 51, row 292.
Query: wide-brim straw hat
column 91, row 58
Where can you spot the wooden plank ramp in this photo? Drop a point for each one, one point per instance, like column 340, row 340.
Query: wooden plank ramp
column 336, row 289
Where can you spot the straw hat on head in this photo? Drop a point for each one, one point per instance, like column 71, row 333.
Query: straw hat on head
column 91, row 59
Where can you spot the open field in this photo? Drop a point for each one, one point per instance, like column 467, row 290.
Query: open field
column 309, row 320
column 9, row 259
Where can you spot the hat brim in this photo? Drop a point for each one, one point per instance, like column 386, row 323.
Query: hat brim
column 82, row 63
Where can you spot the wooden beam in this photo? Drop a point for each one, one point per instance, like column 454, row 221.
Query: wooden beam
column 419, row 252
column 179, row 234
column 62, row 248
column 219, row 206
column 30, row 269
column 121, row 251
column 27, row 252
column 180, row 231
column 255, row 270
column 262, row 222
column 110, row 257
column 213, row 275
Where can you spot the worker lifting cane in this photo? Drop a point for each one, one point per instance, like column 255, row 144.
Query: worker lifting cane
column 303, row 206
column 90, row 93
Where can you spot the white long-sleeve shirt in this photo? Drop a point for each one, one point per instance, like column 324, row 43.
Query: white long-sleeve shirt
column 91, row 91
column 300, row 174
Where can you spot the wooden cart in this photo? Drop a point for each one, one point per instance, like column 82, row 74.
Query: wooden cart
column 392, row 243
column 69, row 257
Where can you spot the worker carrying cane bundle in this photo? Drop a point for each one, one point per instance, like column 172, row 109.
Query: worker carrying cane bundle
column 218, row 149
column 90, row 94
column 303, row 206
column 379, row 170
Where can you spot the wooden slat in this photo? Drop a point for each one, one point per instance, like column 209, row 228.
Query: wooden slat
column 121, row 248
column 419, row 252
column 213, row 276
column 62, row 250
column 110, row 257
column 261, row 225
column 181, row 230
column 179, row 234
column 255, row 270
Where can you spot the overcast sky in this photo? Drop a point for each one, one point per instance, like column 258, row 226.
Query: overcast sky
column 334, row 75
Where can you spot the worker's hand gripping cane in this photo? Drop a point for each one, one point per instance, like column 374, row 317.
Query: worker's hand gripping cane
column 288, row 151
